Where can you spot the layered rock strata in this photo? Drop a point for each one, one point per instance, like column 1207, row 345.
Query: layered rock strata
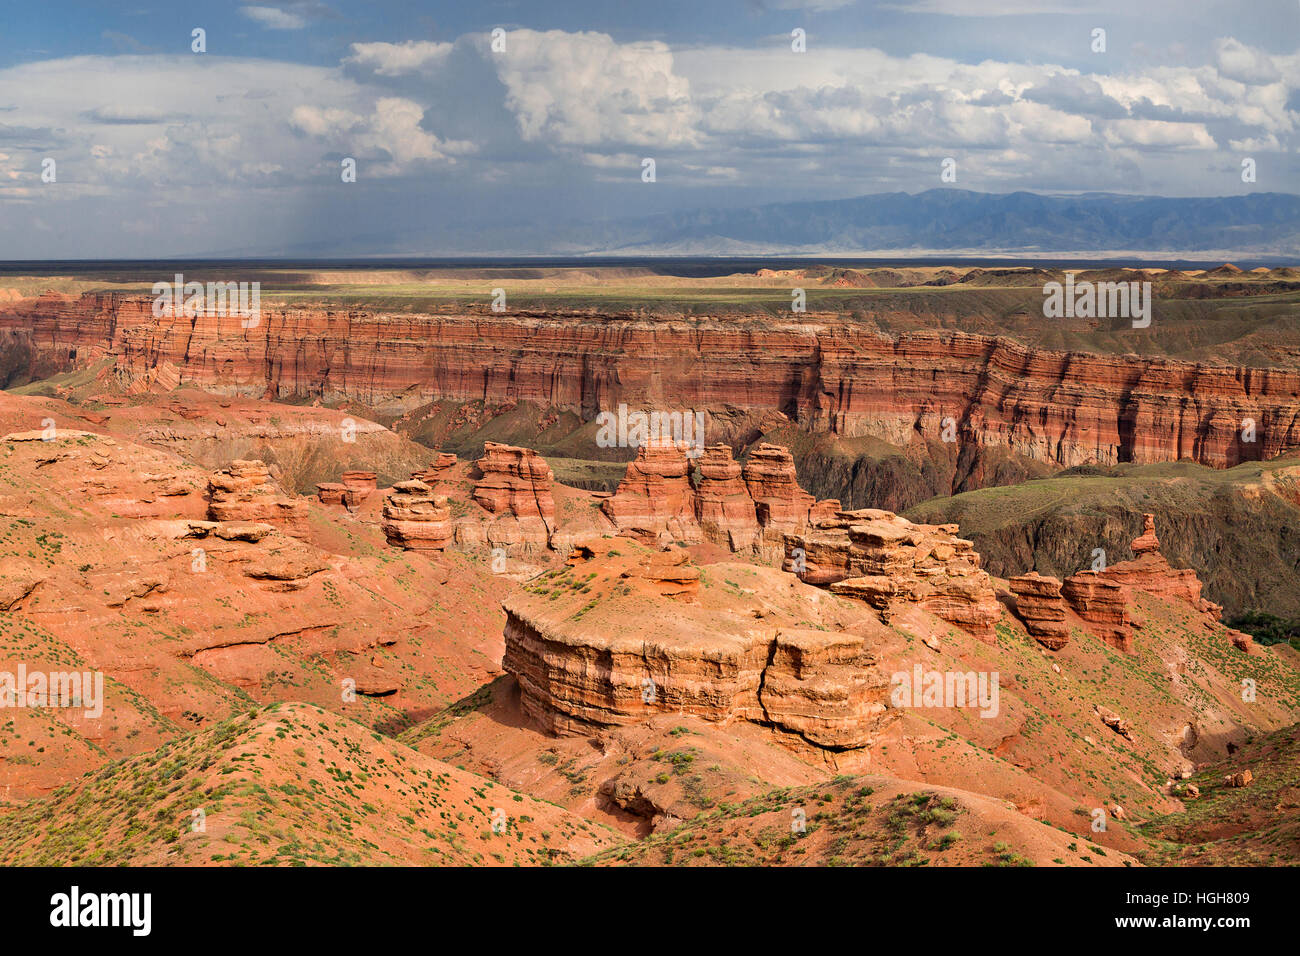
column 655, row 497
column 1042, row 609
column 246, row 491
column 724, row 507
column 743, row 508
column 350, row 491
column 1102, row 603
column 693, row 651
column 359, row 486
column 416, row 519
column 1061, row 408
column 439, row 471
column 889, row 562
column 514, row 489
column 1103, row 597
column 515, row 481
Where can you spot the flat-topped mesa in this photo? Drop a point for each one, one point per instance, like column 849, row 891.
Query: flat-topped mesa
column 723, row 506
column 439, row 471
column 655, row 500
column 416, row 519
column 1042, row 609
column 607, row 641
column 889, row 562
column 246, row 491
column 1056, row 407
column 515, row 481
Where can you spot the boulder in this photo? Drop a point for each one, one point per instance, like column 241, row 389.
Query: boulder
column 1115, row 722
column 1242, row 778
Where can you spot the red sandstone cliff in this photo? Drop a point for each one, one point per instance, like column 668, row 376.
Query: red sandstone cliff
column 1060, row 408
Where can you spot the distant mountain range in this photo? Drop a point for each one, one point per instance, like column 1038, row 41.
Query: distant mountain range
column 945, row 223
column 964, row 222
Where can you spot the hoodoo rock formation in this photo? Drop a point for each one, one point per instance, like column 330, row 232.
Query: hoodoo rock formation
column 1061, row 408
column 416, row 519
column 245, row 491
column 350, row 491
column 891, row 563
column 1150, row 572
column 515, row 481
column 780, row 503
column 743, row 508
column 1042, row 609
column 655, row 497
column 331, row 493
column 359, row 485
column 514, row 492
column 1103, row 597
column 694, row 651
column 723, row 506
column 1102, row 603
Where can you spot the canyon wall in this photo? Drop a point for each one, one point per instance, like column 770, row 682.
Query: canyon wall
column 1059, row 408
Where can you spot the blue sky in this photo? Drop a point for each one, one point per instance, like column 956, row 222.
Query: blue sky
column 461, row 148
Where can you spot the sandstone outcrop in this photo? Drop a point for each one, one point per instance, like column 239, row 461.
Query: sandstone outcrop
column 353, row 489
column 669, row 573
column 1150, row 572
column 1102, row 597
column 694, row 650
column 655, row 499
column 742, row 508
column 781, row 505
column 245, row 491
column 416, row 519
column 515, row 481
column 1057, row 407
column 1103, row 603
column 514, row 489
column 889, row 562
column 331, row 492
column 359, row 486
column 724, row 507
column 439, row 471
column 1042, row 609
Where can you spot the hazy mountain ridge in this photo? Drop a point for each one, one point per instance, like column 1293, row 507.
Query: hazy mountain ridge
column 956, row 219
